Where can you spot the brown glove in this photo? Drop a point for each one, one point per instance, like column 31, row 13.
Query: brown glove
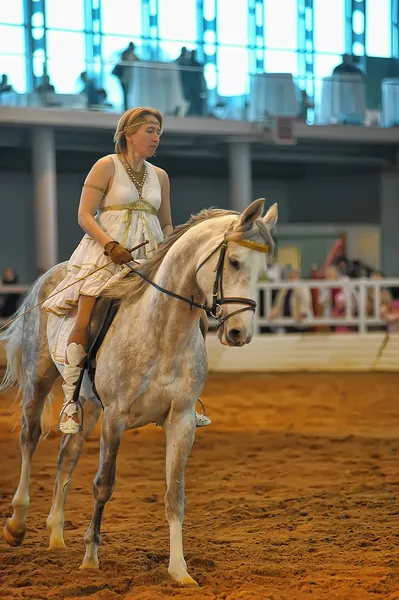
column 117, row 253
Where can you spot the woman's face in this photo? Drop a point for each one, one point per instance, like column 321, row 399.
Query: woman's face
column 146, row 140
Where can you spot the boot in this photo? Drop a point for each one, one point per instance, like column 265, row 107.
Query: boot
column 201, row 420
column 71, row 415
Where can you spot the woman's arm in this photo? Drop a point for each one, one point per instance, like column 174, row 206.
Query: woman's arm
column 164, row 212
column 93, row 191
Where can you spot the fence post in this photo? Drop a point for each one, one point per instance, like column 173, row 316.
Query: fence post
column 362, row 309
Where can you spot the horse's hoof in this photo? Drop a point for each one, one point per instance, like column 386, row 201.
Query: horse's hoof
column 185, row 580
column 188, row 582
column 13, row 538
column 56, row 544
column 90, row 564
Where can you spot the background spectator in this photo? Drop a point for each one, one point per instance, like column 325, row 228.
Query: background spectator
column 4, row 85
column 293, row 303
column 348, row 67
column 45, row 86
column 123, row 71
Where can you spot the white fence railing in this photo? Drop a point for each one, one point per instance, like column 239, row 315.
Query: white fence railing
column 357, row 313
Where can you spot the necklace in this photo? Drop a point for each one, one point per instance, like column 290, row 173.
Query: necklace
column 138, row 177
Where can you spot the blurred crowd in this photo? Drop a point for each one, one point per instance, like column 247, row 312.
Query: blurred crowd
column 191, row 76
column 193, row 83
column 337, row 302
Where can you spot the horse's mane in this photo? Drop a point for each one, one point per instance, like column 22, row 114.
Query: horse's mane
column 134, row 287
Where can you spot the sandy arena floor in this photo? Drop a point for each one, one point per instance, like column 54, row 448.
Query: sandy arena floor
column 293, row 491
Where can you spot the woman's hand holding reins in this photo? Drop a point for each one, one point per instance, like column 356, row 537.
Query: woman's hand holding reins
column 117, row 253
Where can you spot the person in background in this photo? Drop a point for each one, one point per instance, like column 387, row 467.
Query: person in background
column 339, row 310
column 123, row 71
column 292, row 303
column 342, row 265
column 327, row 296
column 184, row 57
column 9, row 302
column 385, row 300
column 184, row 61
column 89, row 89
column 390, row 314
column 4, row 85
column 314, row 292
column 102, row 98
column 45, row 86
column 334, row 300
column 304, row 105
column 196, row 86
column 348, row 67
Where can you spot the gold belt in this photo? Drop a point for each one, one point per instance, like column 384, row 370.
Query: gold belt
column 139, row 205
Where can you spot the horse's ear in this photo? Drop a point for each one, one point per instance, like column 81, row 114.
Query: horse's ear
column 270, row 218
column 253, row 212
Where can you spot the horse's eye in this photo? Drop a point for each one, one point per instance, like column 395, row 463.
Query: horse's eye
column 234, row 263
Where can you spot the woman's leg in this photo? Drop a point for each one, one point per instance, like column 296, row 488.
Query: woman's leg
column 78, row 334
column 71, row 416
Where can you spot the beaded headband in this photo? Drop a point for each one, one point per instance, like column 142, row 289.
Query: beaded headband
column 253, row 245
column 138, row 123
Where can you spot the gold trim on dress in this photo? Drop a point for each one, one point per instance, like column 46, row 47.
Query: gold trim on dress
column 50, row 310
column 139, row 205
column 93, row 265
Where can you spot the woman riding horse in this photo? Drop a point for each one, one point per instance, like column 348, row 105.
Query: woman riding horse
column 125, row 200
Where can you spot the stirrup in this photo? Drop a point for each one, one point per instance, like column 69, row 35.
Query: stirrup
column 71, row 417
column 201, row 419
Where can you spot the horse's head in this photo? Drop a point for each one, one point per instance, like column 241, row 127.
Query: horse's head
column 227, row 272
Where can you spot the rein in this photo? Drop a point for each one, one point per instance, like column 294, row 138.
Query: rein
column 218, row 300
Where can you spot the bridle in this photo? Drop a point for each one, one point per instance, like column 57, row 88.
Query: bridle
column 218, row 299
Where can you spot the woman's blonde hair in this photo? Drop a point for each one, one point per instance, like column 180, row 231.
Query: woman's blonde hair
column 126, row 124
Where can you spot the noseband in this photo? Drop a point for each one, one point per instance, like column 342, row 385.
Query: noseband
column 218, row 300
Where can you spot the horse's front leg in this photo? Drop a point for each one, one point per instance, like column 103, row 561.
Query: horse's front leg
column 71, row 448
column 112, row 430
column 179, row 432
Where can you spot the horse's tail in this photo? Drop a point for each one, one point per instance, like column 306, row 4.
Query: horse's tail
column 11, row 338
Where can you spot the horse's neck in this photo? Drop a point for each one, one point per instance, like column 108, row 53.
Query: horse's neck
column 172, row 318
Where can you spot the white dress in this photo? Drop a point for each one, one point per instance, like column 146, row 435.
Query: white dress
column 124, row 218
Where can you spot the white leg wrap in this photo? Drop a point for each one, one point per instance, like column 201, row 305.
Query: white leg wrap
column 71, row 413
column 75, row 353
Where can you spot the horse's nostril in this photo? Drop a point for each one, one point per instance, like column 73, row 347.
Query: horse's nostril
column 234, row 335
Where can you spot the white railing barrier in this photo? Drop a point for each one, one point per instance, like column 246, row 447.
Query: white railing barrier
column 356, row 306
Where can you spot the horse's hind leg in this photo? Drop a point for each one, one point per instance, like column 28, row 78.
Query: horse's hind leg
column 71, row 448
column 15, row 527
